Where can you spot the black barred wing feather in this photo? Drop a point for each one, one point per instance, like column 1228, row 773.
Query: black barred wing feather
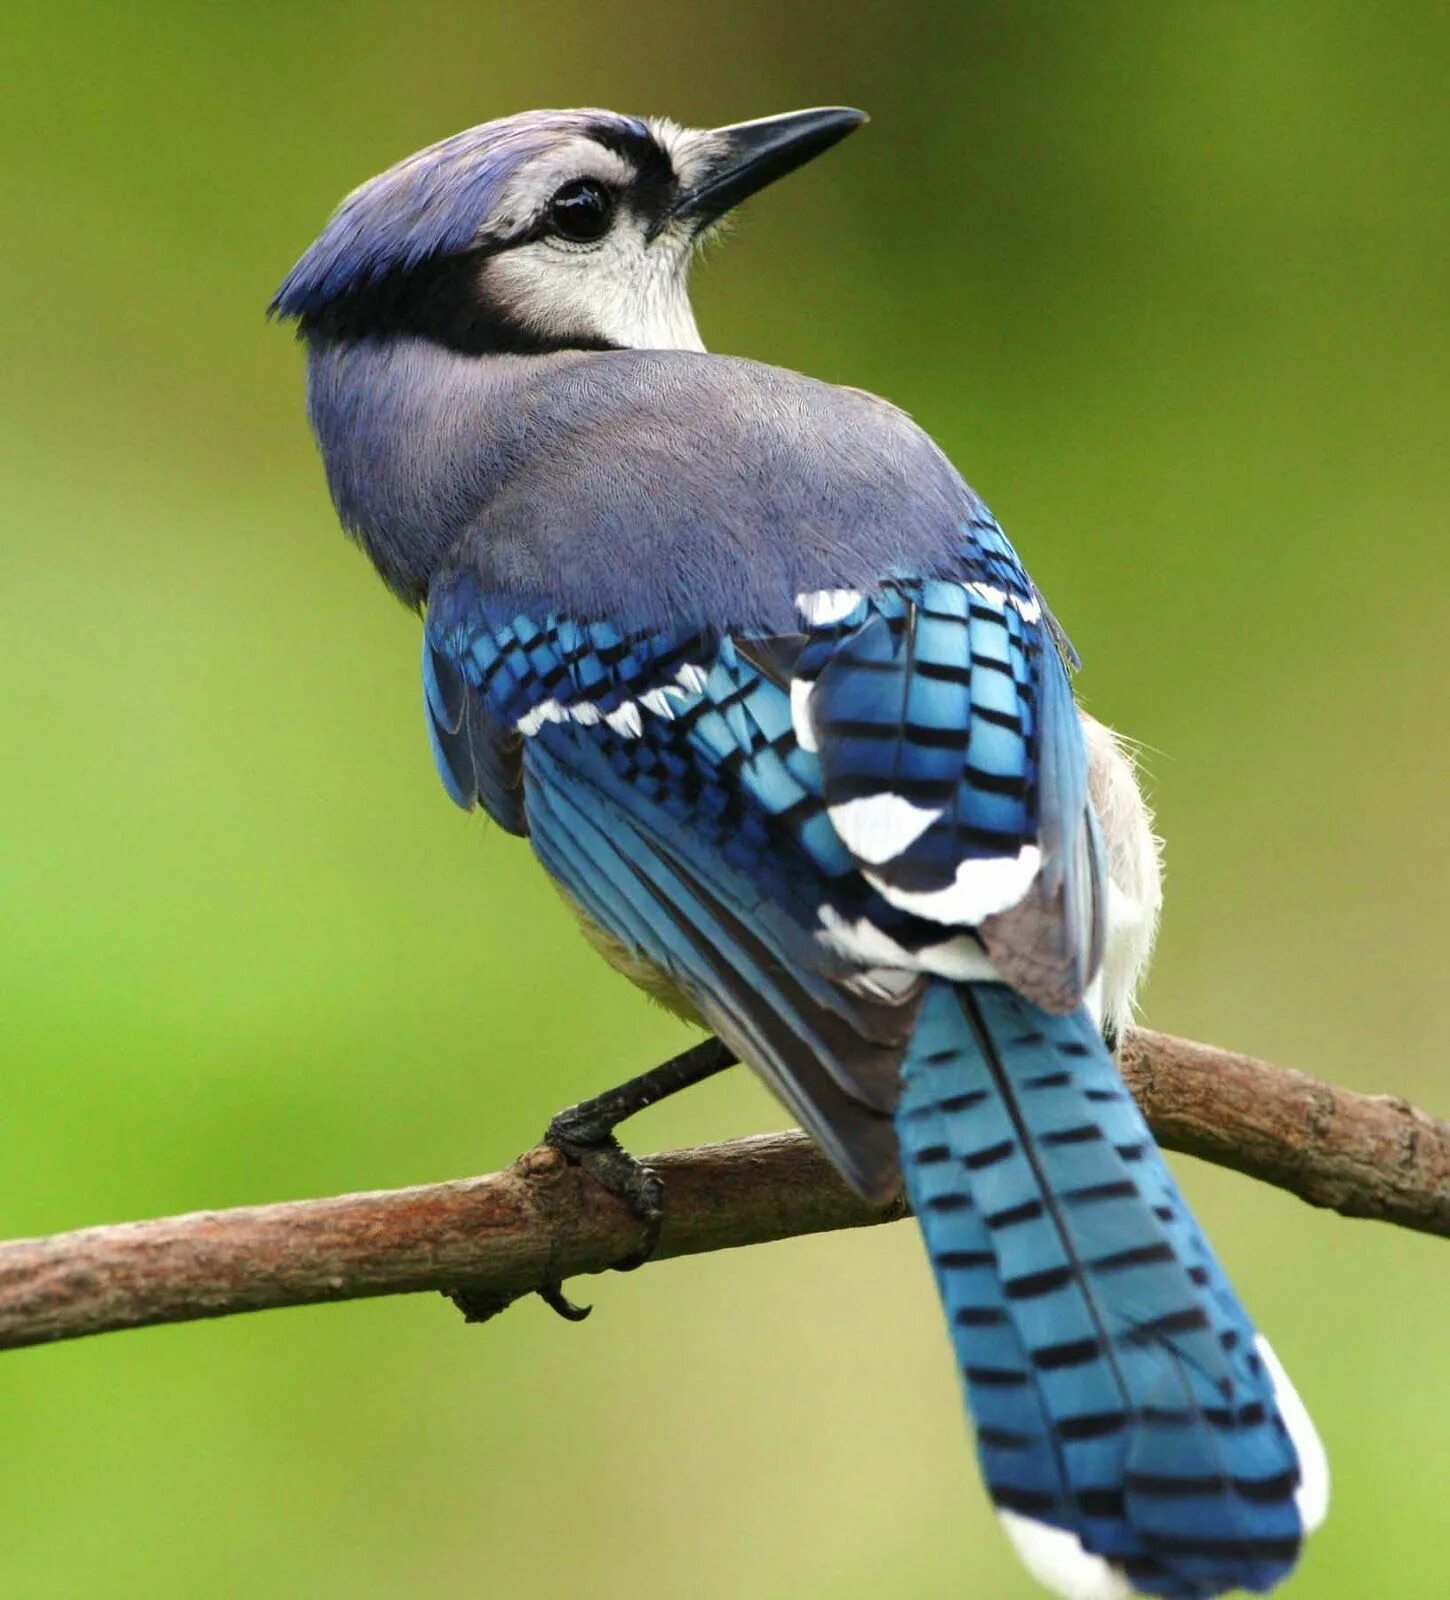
column 663, row 788
column 953, row 767
column 795, row 831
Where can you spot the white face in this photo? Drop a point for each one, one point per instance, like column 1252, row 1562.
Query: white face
column 623, row 288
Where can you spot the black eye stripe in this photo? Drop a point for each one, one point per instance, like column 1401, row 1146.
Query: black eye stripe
column 641, row 150
column 581, row 211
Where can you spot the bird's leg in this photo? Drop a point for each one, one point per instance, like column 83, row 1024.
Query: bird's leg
column 585, row 1135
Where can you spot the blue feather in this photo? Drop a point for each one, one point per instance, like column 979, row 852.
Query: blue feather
column 1115, row 1384
column 1119, row 1395
column 436, row 202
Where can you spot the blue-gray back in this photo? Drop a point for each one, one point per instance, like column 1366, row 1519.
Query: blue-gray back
column 649, row 487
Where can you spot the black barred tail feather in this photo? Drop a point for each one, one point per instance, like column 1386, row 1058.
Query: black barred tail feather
column 818, row 865
column 1134, row 1432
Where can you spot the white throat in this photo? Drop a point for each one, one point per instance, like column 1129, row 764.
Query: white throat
column 628, row 293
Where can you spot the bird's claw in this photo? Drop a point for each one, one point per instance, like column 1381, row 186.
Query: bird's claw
column 593, row 1147
column 553, row 1296
column 584, row 1136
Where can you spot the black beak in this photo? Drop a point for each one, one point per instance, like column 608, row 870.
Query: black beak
column 748, row 155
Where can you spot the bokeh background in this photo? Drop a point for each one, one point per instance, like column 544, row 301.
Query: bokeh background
column 1169, row 282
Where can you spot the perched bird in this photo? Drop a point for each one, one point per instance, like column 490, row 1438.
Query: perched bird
column 780, row 711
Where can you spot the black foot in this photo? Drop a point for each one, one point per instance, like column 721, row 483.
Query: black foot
column 584, row 1134
column 478, row 1307
column 585, row 1141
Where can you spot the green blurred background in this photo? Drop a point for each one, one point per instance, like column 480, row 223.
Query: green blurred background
column 1169, row 283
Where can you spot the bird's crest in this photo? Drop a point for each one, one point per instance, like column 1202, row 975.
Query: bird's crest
column 434, row 203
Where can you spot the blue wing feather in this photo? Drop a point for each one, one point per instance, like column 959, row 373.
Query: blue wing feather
column 701, row 921
column 476, row 757
column 789, row 828
column 953, row 764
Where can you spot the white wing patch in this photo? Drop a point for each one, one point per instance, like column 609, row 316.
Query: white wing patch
column 981, row 888
column 1312, row 1495
column 625, row 719
column 1028, row 610
column 961, row 958
column 800, row 715
column 584, row 712
column 657, row 702
column 1056, row 1558
column 823, row 608
column 877, row 828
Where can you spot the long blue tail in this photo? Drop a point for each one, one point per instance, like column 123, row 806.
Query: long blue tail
column 1128, row 1426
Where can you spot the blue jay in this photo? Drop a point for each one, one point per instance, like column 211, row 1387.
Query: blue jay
column 773, row 699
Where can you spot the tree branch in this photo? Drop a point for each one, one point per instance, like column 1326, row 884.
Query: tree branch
column 495, row 1238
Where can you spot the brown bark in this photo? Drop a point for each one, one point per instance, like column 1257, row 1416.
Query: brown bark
column 499, row 1237
column 1362, row 1155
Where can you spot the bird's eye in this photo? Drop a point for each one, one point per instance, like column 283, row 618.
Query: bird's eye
column 581, row 211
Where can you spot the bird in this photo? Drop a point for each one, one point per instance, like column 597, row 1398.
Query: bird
column 782, row 715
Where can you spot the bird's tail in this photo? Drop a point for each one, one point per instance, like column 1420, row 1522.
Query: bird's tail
column 1134, row 1431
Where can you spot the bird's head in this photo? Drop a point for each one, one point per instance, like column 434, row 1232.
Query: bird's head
column 545, row 231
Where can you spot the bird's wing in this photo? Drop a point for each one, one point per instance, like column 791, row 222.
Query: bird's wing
column 953, row 765
column 793, row 829
column 478, row 757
